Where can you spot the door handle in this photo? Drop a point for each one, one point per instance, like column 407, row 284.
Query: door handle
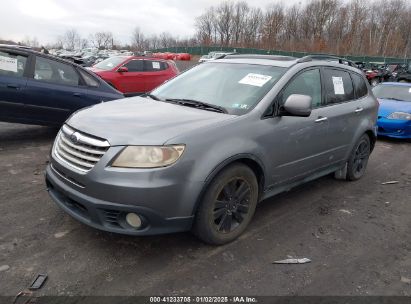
column 77, row 94
column 13, row 86
column 321, row 119
column 358, row 110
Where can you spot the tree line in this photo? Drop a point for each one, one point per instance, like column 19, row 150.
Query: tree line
column 351, row 27
column 343, row 27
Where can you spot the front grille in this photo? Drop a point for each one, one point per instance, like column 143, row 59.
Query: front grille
column 79, row 150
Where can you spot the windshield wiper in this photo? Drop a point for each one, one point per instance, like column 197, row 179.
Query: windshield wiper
column 392, row 98
column 197, row 104
column 151, row 96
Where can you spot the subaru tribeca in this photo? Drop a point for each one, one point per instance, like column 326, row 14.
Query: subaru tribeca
column 199, row 152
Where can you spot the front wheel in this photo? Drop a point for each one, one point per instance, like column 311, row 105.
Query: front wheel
column 228, row 205
column 357, row 163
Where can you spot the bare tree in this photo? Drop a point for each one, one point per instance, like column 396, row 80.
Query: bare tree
column 102, row 40
column 30, row 41
column 138, row 41
column 71, row 39
column 224, row 22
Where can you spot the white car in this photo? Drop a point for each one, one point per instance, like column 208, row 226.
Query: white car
column 213, row 56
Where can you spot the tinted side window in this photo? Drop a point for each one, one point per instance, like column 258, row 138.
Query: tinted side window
column 48, row 70
column 360, row 86
column 306, row 83
column 153, row 65
column 89, row 80
column 12, row 65
column 135, row 66
column 338, row 86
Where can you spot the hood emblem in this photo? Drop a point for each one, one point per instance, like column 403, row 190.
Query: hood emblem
column 74, row 138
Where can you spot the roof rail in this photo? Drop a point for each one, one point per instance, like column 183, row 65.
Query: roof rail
column 257, row 56
column 327, row 58
column 17, row 46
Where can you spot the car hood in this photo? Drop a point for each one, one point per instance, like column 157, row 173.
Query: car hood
column 388, row 106
column 142, row 121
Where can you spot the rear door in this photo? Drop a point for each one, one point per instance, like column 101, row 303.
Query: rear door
column 13, row 81
column 344, row 111
column 55, row 91
column 156, row 73
column 133, row 81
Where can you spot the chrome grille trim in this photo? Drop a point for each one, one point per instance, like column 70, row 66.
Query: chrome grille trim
column 78, row 150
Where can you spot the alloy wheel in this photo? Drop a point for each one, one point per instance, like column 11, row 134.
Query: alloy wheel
column 232, row 205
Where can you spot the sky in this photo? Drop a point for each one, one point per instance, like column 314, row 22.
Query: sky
column 47, row 19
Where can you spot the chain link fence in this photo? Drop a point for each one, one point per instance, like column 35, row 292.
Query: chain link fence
column 203, row 50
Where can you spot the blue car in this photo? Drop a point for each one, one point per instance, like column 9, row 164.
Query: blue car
column 44, row 90
column 394, row 114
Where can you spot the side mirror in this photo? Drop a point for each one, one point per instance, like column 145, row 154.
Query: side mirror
column 122, row 69
column 297, row 105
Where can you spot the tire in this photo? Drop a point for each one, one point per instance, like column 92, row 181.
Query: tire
column 357, row 163
column 403, row 81
column 227, row 206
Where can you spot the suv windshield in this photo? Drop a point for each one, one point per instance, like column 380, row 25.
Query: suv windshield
column 110, row 63
column 232, row 86
column 396, row 92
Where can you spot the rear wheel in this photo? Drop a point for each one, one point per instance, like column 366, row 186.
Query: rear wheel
column 227, row 206
column 358, row 160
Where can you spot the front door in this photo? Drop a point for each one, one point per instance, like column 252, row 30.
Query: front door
column 299, row 144
column 133, row 82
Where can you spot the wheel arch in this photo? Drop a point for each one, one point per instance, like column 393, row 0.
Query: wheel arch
column 251, row 161
column 373, row 138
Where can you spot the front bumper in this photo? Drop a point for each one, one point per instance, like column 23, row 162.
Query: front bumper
column 394, row 128
column 163, row 209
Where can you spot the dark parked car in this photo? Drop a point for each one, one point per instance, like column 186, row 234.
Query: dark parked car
column 405, row 74
column 202, row 150
column 36, row 88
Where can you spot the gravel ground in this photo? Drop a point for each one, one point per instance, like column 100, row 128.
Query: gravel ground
column 357, row 235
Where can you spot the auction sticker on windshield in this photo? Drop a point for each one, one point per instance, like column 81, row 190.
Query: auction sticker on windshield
column 156, row 65
column 8, row 64
column 256, row 80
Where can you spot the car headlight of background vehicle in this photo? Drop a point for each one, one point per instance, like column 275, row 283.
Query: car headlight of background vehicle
column 400, row 115
column 148, row 156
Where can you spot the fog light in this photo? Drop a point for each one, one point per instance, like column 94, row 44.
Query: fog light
column 133, row 220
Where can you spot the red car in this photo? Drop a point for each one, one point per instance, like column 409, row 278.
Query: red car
column 133, row 75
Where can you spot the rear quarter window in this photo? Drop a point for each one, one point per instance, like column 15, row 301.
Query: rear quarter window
column 338, row 86
column 360, row 87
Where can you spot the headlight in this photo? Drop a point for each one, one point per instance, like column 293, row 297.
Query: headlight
column 400, row 116
column 148, row 156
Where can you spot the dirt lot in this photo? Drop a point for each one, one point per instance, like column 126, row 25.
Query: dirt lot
column 357, row 235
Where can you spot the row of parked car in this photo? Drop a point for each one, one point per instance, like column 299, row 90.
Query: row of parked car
column 42, row 89
column 393, row 72
column 201, row 150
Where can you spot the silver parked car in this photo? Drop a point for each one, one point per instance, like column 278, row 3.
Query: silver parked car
column 203, row 149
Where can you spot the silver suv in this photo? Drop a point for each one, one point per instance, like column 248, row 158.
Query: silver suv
column 202, row 150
